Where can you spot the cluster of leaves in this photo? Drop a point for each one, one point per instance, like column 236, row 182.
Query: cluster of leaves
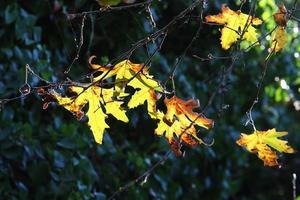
column 45, row 155
column 178, row 122
column 239, row 27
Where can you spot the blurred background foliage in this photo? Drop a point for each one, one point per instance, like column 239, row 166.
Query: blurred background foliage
column 48, row 154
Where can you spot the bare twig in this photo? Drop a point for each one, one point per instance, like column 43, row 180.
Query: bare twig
column 77, row 45
column 146, row 174
column 110, row 8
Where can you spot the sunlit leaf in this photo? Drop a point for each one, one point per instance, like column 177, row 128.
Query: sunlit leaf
column 260, row 142
column 279, row 36
column 96, row 98
column 237, row 26
column 279, row 39
column 180, row 120
column 126, row 72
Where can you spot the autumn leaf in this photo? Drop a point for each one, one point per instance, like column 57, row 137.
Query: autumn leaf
column 260, row 142
column 176, row 147
column 237, row 26
column 279, row 36
column 148, row 95
column 279, row 39
column 280, row 17
column 179, row 121
column 95, row 97
column 126, row 72
column 136, row 76
column 183, row 111
column 146, row 87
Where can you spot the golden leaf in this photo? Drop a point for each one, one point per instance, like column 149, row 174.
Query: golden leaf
column 235, row 23
column 95, row 97
column 126, row 72
column 145, row 94
column 260, row 142
column 279, row 36
column 279, row 39
column 136, row 76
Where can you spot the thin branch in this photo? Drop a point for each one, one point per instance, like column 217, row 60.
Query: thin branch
column 78, row 46
column 141, row 177
column 110, row 8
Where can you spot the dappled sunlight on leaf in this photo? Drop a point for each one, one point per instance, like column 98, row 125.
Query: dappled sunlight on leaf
column 260, row 142
column 237, row 26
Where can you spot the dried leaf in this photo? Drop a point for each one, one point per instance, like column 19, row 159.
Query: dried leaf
column 280, row 17
column 175, row 146
column 180, row 120
column 279, row 36
column 260, row 142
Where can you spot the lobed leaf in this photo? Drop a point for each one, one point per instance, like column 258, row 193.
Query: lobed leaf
column 260, row 142
column 96, row 98
column 180, row 120
column 237, row 26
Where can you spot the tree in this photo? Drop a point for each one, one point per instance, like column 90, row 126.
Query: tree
column 48, row 154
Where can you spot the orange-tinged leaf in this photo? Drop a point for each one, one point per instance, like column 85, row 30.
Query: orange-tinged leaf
column 95, row 97
column 183, row 110
column 279, row 36
column 260, row 142
column 180, row 120
column 175, row 146
column 235, row 23
column 168, row 128
column 280, row 17
column 189, row 140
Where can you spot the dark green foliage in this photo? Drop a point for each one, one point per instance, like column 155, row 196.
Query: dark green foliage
column 47, row 154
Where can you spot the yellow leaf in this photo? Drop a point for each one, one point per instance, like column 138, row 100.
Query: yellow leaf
column 260, row 142
column 279, row 36
column 146, row 86
column 136, row 76
column 166, row 127
column 145, row 94
column 126, row 72
column 235, row 23
column 96, row 117
column 279, row 39
column 95, row 97
column 179, row 121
